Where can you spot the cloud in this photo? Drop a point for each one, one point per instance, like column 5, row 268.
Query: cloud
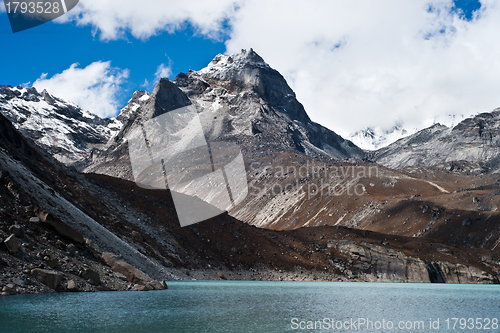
column 94, row 88
column 163, row 71
column 352, row 63
column 2, row 7
column 112, row 19
column 373, row 63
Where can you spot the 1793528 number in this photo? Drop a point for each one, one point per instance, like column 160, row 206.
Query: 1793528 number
column 32, row 7
column 472, row 323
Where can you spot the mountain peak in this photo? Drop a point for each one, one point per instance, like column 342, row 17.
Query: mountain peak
column 166, row 97
column 243, row 59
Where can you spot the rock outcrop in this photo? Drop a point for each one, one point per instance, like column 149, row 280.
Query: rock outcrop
column 51, row 279
column 374, row 263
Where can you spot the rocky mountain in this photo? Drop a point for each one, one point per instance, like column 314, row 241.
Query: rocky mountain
column 63, row 129
column 240, row 99
column 63, row 231
column 471, row 145
column 364, row 222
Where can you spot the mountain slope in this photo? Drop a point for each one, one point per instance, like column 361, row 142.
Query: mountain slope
column 60, row 127
column 140, row 226
column 252, row 104
column 473, row 142
column 239, row 99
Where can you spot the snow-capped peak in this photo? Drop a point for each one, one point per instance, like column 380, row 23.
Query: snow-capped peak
column 373, row 138
column 61, row 127
column 226, row 62
column 138, row 99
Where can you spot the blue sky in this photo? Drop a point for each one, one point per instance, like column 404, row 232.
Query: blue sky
column 51, row 48
column 352, row 64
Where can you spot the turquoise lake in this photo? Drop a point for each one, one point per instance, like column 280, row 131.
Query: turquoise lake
column 255, row 306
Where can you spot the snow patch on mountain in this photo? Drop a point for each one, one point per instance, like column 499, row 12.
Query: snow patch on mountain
column 59, row 126
column 373, row 138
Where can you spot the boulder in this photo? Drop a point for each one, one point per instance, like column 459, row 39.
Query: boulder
column 71, row 286
column 51, row 279
column 17, row 230
column 72, row 250
column 12, row 244
column 137, row 236
column 65, row 230
column 89, row 274
column 10, row 289
column 35, row 220
column 121, row 266
column 155, row 285
column 145, row 287
column 52, row 263
column 164, row 285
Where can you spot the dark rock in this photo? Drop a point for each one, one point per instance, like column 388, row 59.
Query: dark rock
column 72, row 250
column 164, row 285
column 52, row 263
column 65, row 230
column 221, row 276
column 17, row 230
column 10, row 289
column 12, row 244
column 4, row 176
column 89, row 274
column 51, row 279
column 137, row 236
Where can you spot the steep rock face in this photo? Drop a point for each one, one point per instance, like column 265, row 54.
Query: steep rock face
column 60, row 127
column 239, row 99
column 251, row 103
column 473, row 141
column 114, row 159
column 381, row 264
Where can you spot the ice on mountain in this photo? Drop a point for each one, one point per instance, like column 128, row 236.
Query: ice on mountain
column 144, row 98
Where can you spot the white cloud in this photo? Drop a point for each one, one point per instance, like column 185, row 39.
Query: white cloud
column 163, row 71
column 94, row 88
column 113, row 18
column 352, row 63
column 2, row 7
column 384, row 70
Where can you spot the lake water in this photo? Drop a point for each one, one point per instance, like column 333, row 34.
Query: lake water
column 254, row 306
